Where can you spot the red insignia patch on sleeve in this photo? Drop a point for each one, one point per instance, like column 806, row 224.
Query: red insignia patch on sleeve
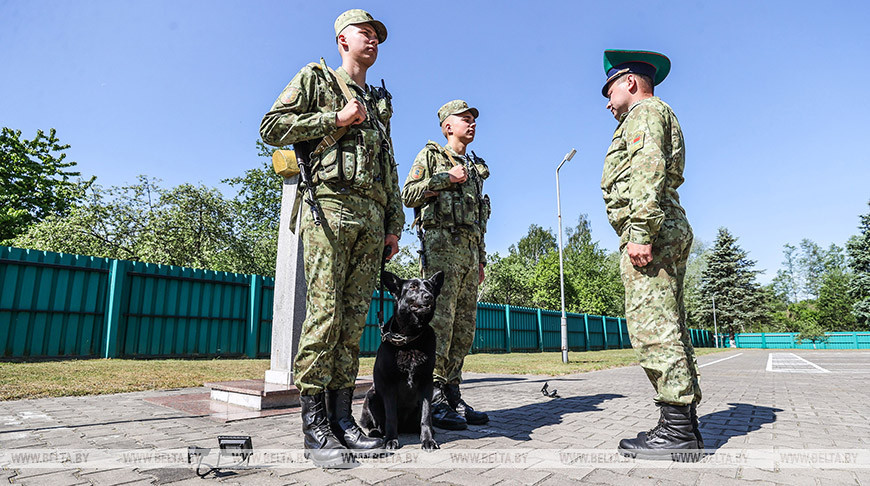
column 416, row 172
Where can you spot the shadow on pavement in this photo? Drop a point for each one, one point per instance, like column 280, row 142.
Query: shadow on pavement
column 718, row 428
column 520, row 422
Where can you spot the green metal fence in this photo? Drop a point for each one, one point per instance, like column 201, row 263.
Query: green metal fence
column 61, row 305
column 789, row 340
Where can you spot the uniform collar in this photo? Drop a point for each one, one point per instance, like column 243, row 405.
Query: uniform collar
column 347, row 79
column 640, row 102
column 634, row 105
column 453, row 152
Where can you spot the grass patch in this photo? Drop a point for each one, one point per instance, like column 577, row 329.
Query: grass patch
column 102, row 376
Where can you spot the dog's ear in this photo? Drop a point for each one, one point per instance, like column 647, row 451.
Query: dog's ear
column 437, row 281
column 393, row 283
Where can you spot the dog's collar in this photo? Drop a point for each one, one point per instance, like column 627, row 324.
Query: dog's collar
column 394, row 338
column 398, row 339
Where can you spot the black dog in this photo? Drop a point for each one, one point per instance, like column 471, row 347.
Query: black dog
column 401, row 397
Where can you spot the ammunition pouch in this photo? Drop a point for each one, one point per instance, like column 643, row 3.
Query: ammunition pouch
column 352, row 161
column 485, row 212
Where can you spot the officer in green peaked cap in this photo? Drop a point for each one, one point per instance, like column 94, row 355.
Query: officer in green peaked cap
column 643, row 169
column 359, row 16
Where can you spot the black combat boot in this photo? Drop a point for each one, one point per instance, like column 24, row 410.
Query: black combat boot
column 472, row 416
column 695, row 428
column 343, row 425
column 673, row 438
column 321, row 446
column 443, row 416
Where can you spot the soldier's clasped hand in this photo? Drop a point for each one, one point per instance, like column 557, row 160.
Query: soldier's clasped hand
column 353, row 113
column 458, row 174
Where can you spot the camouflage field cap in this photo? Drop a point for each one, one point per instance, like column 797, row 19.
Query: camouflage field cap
column 454, row 108
column 360, row 16
column 618, row 62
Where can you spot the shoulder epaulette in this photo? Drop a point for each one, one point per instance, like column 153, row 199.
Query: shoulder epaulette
column 434, row 146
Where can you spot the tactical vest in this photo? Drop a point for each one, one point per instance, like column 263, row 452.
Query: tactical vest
column 462, row 205
column 357, row 160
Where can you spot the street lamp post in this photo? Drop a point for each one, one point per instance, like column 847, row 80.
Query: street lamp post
column 561, row 269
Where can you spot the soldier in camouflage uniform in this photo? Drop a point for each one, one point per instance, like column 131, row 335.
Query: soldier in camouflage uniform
column 642, row 171
column 356, row 185
column 445, row 187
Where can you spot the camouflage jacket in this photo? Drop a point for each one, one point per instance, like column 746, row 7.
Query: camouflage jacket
column 362, row 161
column 642, row 171
column 456, row 207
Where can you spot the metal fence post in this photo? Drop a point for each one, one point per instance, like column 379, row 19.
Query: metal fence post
column 254, row 310
column 619, row 326
column 114, row 301
column 540, row 332
column 507, row 328
column 586, row 329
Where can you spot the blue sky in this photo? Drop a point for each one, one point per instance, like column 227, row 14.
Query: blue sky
column 770, row 95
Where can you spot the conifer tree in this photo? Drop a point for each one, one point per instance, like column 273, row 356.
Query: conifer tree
column 730, row 278
column 859, row 261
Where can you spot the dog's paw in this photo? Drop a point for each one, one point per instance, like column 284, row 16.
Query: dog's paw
column 430, row 445
column 392, row 444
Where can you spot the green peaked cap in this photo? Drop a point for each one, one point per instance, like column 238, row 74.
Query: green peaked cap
column 618, row 62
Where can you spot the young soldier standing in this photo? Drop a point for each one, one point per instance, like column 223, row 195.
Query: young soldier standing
column 445, row 187
column 356, row 186
column 642, row 171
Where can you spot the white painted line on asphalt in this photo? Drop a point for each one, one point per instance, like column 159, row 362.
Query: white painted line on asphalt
column 718, row 360
column 811, row 364
column 791, row 363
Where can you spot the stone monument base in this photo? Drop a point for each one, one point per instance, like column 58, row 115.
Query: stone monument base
column 260, row 395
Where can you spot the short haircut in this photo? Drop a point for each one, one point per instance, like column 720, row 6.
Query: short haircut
column 647, row 81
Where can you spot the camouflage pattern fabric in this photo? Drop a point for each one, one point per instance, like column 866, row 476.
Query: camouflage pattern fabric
column 642, row 171
column 456, row 205
column 342, row 260
column 456, row 313
column 361, row 203
column 306, row 110
column 455, row 224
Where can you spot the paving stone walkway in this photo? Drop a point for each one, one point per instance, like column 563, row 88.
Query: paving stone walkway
column 788, row 417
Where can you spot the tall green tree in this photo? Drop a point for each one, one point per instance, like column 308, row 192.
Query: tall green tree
column 787, row 282
column 535, row 244
column 529, row 275
column 730, row 278
column 508, row 281
column 692, row 297
column 257, row 205
column 858, row 248
column 834, row 304
column 187, row 225
column 37, row 181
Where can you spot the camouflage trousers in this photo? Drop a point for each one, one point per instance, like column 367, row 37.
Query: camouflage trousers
column 342, row 259
column 656, row 316
column 456, row 308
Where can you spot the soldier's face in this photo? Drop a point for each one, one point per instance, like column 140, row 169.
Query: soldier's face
column 619, row 97
column 462, row 126
column 361, row 42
